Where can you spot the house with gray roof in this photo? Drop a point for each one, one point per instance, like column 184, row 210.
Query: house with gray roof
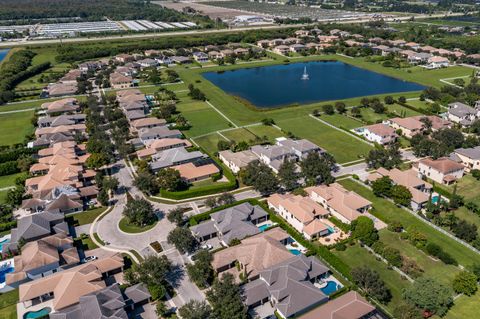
column 36, row 226
column 67, row 119
column 274, row 155
column 469, row 157
column 157, row 132
column 108, row 303
column 134, row 115
column 175, row 156
column 288, row 286
column 463, row 114
column 235, row 222
column 50, row 139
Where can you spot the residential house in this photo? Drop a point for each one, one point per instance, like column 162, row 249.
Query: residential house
column 64, row 289
column 164, row 59
column 236, row 161
column 124, row 58
column 419, row 188
column 463, row 114
column 61, row 120
column 200, row 57
column 120, row 81
column 253, row 255
column 237, row 222
column 282, row 49
column 241, row 51
column 152, row 53
column 148, row 63
column 180, row 59
column 378, row 133
column 348, row 306
column 297, row 48
column 469, row 157
column 305, row 215
column 413, row 45
column 63, row 106
column 175, row 156
column 302, row 33
column 442, row 170
column 157, row 132
column 190, row 172
column 157, row 145
column 226, row 53
column 341, row 203
column 419, row 58
column 408, row 126
column 43, row 257
column 263, row 43
column 289, row 286
column 436, row 62
column 148, row 122
column 61, row 89
column 214, row 55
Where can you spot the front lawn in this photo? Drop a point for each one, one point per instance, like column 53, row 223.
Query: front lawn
column 388, row 212
column 127, row 227
column 88, row 216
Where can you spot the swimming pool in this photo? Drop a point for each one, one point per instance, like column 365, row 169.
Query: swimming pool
column 330, row 288
column 296, row 252
column 435, row 199
column 3, row 242
column 37, row 314
column 264, row 227
column 4, row 270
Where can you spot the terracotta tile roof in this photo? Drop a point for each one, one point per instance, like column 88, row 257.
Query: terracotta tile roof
column 347, row 203
column 408, row 123
column 443, row 165
column 303, row 208
column 190, row 172
column 381, row 129
column 148, row 121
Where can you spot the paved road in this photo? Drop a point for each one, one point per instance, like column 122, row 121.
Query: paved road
column 10, row 44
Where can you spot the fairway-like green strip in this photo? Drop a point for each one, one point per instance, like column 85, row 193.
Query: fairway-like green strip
column 14, row 127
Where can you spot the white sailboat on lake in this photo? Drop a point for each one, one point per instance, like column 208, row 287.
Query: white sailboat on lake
column 305, row 74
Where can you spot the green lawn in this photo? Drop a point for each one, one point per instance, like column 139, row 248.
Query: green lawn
column 264, row 130
column 9, row 180
column 467, row 186
column 432, row 268
column 14, row 127
column 388, row 212
column 8, row 304
column 342, row 121
column 239, row 135
column 209, row 142
column 87, row 217
column 88, row 244
column 336, row 142
column 464, row 307
column 356, row 256
column 3, row 196
column 126, row 227
column 202, row 118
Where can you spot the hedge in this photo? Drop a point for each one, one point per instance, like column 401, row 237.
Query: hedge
column 9, row 168
column 416, row 109
column 14, row 154
column 206, row 190
column 337, row 222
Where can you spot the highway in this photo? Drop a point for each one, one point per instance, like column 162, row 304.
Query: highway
column 25, row 42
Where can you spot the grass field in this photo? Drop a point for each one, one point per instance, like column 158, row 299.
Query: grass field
column 388, row 212
column 239, row 135
column 264, row 130
column 9, row 180
column 338, row 143
column 3, row 196
column 8, row 304
column 432, row 268
column 201, row 117
column 209, row 142
column 356, row 256
column 127, row 227
column 14, row 127
column 464, row 307
column 343, row 121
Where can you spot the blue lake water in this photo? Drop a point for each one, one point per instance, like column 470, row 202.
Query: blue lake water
column 280, row 85
column 3, row 54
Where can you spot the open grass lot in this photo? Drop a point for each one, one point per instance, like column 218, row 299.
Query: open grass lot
column 338, row 143
column 432, row 268
column 239, row 135
column 202, row 117
column 209, row 142
column 356, row 256
column 467, row 186
column 342, row 121
column 14, row 127
column 388, row 212
column 9, row 312
column 88, row 216
column 264, row 130
column 464, row 307
column 9, row 180
column 368, row 115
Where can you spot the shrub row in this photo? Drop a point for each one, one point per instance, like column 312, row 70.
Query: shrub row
column 15, row 153
column 8, row 168
column 416, row 109
column 337, row 222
